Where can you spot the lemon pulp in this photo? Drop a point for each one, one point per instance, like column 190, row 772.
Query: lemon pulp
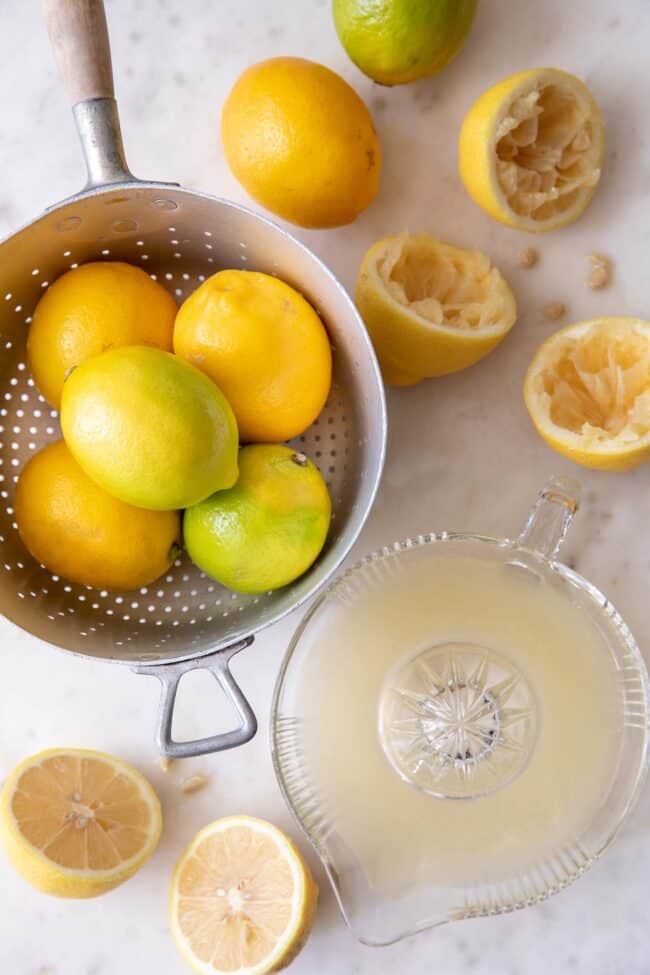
column 531, row 147
column 242, row 899
column 77, row 823
column 431, row 308
column 588, row 392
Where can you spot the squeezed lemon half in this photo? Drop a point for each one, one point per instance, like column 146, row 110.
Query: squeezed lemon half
column 431, row 308
column 531, row 149
column 588, row 392
column 242, row 899
column 77, row 823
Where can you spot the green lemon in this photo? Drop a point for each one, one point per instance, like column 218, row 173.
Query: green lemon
column 148, row 428
column 397, row 41
column 266, row 530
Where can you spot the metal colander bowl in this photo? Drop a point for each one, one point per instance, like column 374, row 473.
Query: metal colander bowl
column 185, row 619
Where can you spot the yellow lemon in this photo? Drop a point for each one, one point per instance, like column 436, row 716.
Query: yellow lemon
column 92, row 308
column 301, row 142
column 397, row 41
column 78, row 531
column 268, row 529
column 148, row 428
column 77, row 823
column 531, row 149
column 588, row 392
column 431, row 308
column 264, row 346
column 243, row 900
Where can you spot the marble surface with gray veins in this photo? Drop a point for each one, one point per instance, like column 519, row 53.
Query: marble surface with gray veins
column 462, row 452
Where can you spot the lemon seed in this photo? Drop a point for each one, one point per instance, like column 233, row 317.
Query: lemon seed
column 555, row 310
column 193, row 784
column 528, row 257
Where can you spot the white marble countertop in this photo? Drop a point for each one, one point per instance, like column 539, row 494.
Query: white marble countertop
column 462, row 452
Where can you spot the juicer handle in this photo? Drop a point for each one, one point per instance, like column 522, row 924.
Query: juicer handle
column 550, row 517
column 79, row 38
column 217, row 664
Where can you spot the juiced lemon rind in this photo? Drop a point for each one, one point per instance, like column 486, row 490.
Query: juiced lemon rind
column 588, row 392
column 531, row 149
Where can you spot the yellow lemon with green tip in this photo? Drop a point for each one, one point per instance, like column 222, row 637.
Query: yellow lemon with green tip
column 149, row 428
column 397, row 41
column 266, row 530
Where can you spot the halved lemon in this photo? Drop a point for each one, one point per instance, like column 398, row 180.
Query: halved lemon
column 77, row 823
column 531, row 149
column 588, row 392
column 242, row 900
column 431, row 308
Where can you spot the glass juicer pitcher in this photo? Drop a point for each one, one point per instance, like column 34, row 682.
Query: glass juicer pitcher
column 460, row 725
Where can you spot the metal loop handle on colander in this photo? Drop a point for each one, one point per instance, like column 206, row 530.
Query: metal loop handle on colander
column 217, row 664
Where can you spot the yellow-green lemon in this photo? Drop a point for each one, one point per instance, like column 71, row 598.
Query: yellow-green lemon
column 268, row 529
column 149, row 428
column 397, row 41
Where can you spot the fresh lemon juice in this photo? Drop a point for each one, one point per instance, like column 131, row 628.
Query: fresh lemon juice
column 462, row 716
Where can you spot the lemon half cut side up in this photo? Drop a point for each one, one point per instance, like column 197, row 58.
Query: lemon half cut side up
column 531, row 149
column 587, row 391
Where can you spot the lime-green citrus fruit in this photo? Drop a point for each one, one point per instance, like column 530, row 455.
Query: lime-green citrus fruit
column 149, row 429
column 268, row 529
column 397, row 41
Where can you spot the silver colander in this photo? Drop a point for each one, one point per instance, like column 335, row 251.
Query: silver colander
column 185, row 620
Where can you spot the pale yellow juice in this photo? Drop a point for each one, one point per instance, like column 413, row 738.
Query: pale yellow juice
column 396, row 832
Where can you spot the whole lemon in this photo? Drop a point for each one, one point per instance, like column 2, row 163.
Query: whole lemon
column 264, row 346
column 92, row 308
column 301, row 142
column 78, row 531
column 397, row 41
column 149, row 428
column 268, row 529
